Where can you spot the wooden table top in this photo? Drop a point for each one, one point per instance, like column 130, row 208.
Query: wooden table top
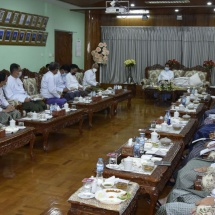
column 53, row 119
column 185, row 134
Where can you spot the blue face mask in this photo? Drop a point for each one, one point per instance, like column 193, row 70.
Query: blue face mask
column 166, row 68
column 63, row 75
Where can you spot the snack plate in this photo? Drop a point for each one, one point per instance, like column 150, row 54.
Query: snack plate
column 110, row 196
column 86, row 195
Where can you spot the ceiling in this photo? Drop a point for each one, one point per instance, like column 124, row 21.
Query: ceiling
column 187, row 7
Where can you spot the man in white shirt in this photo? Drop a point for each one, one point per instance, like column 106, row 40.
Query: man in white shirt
column 89, row 80
column 14, row 90
column 72, row 82
column 7, row 112
column 49, row 87
column 166, row 74
column 60, row 79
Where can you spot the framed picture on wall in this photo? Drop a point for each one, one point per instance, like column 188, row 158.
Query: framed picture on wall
column 15, row 35
column 21, row 36
column 45, row 36
column 39, row 37
column 34, row 37
column 7, row 36
column 2, row 14
column 39, row 21
column 22, row 19
column 15, row 18
column 8, row 17
column 34, row 21
column 45, row 21
column 27, row 36
column 2, row 34
column 28, row 20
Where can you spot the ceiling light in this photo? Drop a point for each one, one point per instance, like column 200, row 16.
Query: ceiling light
column 138, row 11
column 132, row 5
column 214, row 9
column 209, row 3
column 130, row 17
column 176, row 10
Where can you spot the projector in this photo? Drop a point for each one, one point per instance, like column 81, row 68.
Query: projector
column 115, row 10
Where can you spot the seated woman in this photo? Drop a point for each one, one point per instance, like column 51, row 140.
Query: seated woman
column 7, row 112
column 181, row 201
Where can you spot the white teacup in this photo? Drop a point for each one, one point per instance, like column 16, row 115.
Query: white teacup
column 34, row 116
column 127, row 162
column 66, row 106
column 164, row 126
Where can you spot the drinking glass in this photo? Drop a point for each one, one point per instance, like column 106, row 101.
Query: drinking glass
column 73, row 106
column 153, row 124
column 21, row 124
column 87, row 187
column 125, row 88
column 113, row 160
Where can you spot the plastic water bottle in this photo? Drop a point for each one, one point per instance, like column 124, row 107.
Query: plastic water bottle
column 51, row 108
column 137, row 149
column 169, row 119
column 183, row 100
column 142, row 142
column 166, row 116
column 99, row 171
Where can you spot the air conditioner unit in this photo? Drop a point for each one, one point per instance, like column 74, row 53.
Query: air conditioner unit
column 116, row 10
column 179, row 17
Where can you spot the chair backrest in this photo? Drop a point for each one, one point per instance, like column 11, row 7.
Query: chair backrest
column 43, row 70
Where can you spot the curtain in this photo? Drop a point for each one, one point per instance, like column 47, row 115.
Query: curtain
column 154, row 45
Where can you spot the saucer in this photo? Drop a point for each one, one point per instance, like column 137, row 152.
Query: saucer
column 86, row 195
column 108, row 166
column 73, row 109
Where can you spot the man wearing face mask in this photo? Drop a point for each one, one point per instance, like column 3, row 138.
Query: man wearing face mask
column 166, row 74
column 89, row 79
column 14, row 90
column 60, row 80
column 72, row 82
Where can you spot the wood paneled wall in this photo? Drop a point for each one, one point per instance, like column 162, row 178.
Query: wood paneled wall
column 161, row 20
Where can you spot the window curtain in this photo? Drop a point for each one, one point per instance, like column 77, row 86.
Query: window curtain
column 154, row 45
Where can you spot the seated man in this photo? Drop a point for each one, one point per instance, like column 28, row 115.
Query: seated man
column 166, row 74
column 49, row 88
column 89, row 80
column 14, row 90
column 72, row 82
column 60, row 79
column 7, row 112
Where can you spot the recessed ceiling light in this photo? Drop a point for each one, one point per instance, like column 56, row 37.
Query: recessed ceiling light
column 176, row 10
column 214, row 9
column 132, row 5
column 139, row 11
column 209, row 3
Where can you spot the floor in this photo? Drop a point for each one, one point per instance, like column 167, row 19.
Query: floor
column 42, row 186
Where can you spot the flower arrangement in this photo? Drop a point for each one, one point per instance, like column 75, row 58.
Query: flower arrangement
column 130, row 62
column 173, row 62
column 166, row 85
column 209, row 64
column 100, row 54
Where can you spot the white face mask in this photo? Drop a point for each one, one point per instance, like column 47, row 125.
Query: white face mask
column 166, row 68
column 94, row 70
column 20, row 74
column 63, row 75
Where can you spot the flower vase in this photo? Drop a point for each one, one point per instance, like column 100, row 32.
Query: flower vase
column 129, row 78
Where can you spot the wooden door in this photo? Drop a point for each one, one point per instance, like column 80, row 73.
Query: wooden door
column 63, row 47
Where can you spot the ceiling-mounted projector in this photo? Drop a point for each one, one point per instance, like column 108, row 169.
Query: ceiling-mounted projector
column 116, row 10
column 117, row 6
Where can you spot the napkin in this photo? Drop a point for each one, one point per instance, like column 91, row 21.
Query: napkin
column 204, row 151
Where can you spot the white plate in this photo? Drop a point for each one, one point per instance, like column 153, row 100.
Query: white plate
column 108, row 166
column 47, row 111
column 73, row 109
column 9, row 129
column 109, row 198
column 86, row 195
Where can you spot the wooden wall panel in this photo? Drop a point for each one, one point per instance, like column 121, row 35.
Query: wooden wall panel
column 160, row 20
